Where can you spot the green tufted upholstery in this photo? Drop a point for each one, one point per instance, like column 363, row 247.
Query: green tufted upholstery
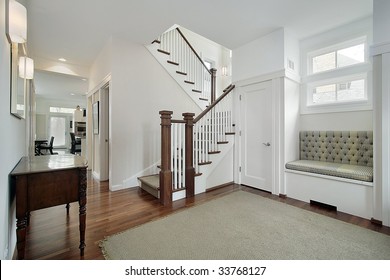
column 347, row 154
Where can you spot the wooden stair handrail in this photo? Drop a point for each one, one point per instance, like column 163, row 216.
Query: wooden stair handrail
column 208, row 109
column 189, row 169
column 188, row 43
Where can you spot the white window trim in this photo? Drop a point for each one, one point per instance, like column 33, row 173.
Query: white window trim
column 308, row 107
column 356, row 71
column 336, row 47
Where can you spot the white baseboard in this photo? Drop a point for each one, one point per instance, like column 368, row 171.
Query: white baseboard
column 132, row 182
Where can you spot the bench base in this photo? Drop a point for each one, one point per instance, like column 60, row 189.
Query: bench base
column 349, row 196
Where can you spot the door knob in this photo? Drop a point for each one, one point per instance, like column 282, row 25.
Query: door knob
column 267, row 144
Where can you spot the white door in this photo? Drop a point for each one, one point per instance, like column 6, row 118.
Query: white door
column 256, row 136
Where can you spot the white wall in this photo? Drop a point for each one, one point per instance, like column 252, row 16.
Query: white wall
column 223, row 172
column 140, row 88
column 262, row 56
column 14, row 147
column 381, row 21
column 361, row 120
column 291, row 120
column 291, row 54
column 101, row 67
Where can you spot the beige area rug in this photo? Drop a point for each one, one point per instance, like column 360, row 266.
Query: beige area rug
column 243, row 226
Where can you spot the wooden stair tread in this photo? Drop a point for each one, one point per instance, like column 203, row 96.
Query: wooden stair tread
column 181, row 73
column 214, row 152
column 197, row 90
column 164, row 52
column 223, row 142
column 173, row 62
column 204, row 163
column 189, row 82
column 230, row 133
column 156, row 41
column 203, row 99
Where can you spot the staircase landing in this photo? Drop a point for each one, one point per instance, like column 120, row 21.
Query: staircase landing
column 151, row 184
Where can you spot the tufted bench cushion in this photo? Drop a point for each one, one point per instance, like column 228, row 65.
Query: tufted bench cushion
column 355, row 172
column 345, row 154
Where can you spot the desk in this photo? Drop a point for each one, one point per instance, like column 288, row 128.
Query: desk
column 47, row 181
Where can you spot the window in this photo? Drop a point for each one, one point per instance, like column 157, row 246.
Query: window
column 61, row 110
column 338, row 59
column 336, row 78
column 345, row 91
column 208, row 64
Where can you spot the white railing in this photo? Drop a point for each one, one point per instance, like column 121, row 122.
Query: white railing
column 211, row 130
column 189, row 62
column 178, row 155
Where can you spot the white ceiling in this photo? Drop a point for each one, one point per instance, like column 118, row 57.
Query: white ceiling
column 78, row 29
column 50, row 85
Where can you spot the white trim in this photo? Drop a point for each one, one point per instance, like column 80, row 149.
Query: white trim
column 260, row 78
column 334, row 48
column 96, row 175
column 386, row 138
column 277, row 128
column 357, row 182
column 132, row 182
column 103, row 82
column 380, row 48
column 351, row 72
column 308, row 107
column 307, row 186
column 366, row 104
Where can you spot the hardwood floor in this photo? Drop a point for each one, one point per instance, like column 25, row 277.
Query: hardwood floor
column 54, row 235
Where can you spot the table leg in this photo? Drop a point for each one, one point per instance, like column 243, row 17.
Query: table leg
column 21, row 229
column 83, row 208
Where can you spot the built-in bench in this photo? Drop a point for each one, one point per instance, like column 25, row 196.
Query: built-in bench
column 336, row 168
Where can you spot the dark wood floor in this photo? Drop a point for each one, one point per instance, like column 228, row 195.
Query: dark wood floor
column 54, row 235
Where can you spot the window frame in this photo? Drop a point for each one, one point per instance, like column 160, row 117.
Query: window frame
column 342, row 74
column 335, row 48
column 338, row 80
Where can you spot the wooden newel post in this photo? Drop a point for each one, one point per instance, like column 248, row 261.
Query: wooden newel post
column 166, row 172
column 213, row 84
column 189, row 161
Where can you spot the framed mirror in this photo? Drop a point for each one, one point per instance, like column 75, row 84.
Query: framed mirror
column 16, row 31
column 18, row 82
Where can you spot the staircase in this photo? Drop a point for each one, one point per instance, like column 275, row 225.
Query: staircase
column 173, row 51
column 191, row 148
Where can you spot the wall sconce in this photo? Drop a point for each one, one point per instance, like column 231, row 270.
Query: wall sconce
column 17, row 25
column 26, row 67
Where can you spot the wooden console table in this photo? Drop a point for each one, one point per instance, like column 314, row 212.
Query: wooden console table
column 47, row 181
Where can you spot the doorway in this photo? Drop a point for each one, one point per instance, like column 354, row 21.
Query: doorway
column 105, row 135
column 256, row 135
column 58, row 129
column 99, row 134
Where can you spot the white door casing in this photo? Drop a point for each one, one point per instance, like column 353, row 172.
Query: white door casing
column 257, row 135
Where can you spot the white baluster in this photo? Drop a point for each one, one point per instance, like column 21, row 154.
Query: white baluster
column 196, row 148
column 179, row 157
column 175, row 157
